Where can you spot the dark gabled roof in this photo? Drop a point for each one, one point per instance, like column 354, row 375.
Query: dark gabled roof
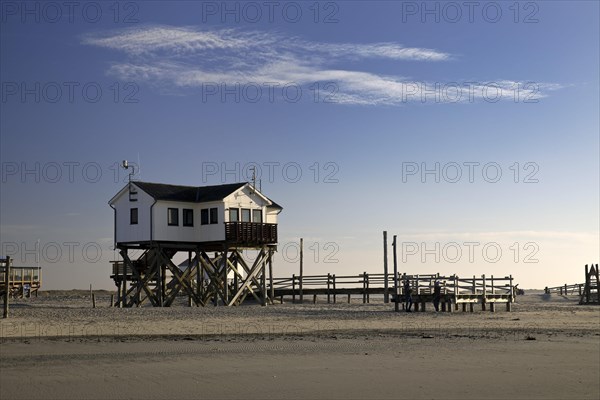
column 192, row 194
column 188, row 194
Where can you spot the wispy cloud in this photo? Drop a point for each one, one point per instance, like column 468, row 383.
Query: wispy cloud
column 185, row 57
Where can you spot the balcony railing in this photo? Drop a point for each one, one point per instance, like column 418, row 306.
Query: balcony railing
column 250, row 233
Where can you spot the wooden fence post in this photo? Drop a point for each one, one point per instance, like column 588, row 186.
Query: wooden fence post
column 294, row 288
column 328, row 284
column 334, row 290
column 364, row 282
column 93, row 300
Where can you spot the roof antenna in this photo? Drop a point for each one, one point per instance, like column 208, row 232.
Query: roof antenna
column 126, row 165
column 253, row 178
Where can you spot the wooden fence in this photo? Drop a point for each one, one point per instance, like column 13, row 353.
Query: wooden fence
column 566, row 290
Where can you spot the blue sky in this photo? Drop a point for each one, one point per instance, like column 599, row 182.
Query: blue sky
column 163, row 71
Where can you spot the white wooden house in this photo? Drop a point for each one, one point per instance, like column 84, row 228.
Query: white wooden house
column 234, row 214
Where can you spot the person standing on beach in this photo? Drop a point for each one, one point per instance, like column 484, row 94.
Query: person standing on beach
column 437, row 295
column 407, row 296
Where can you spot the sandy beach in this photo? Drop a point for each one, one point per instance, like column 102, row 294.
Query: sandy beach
column 56, row 346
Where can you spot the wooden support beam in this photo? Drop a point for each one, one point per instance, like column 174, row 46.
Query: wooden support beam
column 251, row 278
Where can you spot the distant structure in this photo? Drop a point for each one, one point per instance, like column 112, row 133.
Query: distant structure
column 588, row 292
column 17, row 282
column 162, row 220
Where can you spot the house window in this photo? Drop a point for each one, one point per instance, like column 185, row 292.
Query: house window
column 245, row 215
column 188, row 217
column 173, row 216
column 214, row 216
column 204, row 216
column 256, row 215
column 234, row 215
column 133, row 216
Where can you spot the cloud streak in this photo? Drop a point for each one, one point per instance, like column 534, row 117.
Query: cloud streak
column 188, row 58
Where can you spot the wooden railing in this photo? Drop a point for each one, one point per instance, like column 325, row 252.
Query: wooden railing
column 459, row 289
column 574, row 289
column 250, row 233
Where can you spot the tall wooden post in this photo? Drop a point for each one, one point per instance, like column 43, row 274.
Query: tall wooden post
column 294, row 288
column 328, row 288
column 396, row 295
column 301, row 268
column 386, row 294
column 6, row 287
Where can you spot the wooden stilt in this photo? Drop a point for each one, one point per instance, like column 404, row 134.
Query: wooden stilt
column 272, row 289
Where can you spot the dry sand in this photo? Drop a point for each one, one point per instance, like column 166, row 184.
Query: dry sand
column 56, row 346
